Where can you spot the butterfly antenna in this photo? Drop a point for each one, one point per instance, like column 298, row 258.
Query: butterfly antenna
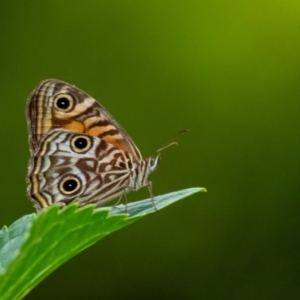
column 171, row 142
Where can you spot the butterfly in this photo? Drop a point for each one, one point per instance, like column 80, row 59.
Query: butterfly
column 79, row 153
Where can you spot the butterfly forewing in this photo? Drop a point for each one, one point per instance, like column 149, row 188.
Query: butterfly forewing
column 56, row 104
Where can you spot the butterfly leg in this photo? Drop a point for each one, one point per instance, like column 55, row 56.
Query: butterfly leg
column 119, row 200
column 126, row 207
column 149, row 185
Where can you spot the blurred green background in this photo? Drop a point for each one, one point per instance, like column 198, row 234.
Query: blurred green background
column 227, row 70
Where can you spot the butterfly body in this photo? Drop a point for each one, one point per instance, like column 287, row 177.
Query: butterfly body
column 78, row 151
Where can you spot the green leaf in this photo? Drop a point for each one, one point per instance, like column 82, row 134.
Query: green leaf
column 11, row 240
column 36, row 244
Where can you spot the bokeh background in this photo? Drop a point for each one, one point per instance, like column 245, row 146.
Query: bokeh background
column 227, row 70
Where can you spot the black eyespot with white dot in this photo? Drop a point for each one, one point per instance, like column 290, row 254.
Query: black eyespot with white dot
column 70, row 185
column 63, row 102
column 81, row 143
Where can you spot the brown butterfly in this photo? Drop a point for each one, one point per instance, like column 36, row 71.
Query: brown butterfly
column 78, row 151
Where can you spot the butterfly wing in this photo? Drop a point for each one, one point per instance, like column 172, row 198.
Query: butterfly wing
column 55, row 104
column 69, row 167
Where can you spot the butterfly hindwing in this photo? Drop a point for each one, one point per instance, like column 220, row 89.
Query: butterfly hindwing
column 68, row 167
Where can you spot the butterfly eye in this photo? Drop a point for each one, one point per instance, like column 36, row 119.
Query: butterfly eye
column 69, row 185
column 81, row 144
column 63, row 102
column 153, row 162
